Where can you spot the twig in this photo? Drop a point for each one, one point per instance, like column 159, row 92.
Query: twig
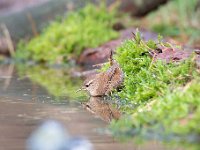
column 33, row 25
column 114, row 5
column 111, row 58
column 152, row 61
column 9, row 42
column 10, row 73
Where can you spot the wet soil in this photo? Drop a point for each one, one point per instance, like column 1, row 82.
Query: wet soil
column 24, row 105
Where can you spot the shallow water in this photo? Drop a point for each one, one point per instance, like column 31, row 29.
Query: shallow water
column 24, row 104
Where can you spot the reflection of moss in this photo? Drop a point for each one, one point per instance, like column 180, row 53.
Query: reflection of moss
column 164, row 98
column 57, row 81
column 88, row 27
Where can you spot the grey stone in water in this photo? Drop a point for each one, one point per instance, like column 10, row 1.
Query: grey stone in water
column 51, row 135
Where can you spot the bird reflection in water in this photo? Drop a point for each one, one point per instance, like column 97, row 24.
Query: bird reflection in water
column 102, row 108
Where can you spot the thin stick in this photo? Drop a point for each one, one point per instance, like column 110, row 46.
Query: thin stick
column 114, row 5
column 111, row 58
column 152, row 61
column 33, row 25
column 9, row 42
column 10, row 73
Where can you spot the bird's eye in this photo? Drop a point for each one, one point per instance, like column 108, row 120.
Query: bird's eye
column 88, row 83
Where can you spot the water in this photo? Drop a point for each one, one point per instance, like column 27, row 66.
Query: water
column 26, row 101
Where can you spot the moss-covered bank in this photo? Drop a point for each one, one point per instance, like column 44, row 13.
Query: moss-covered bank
column 161, row 98
column 67, row 38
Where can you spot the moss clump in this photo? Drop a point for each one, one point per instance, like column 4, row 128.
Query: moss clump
column 174, row 116
column 60, row 41
column 58, row 82
column 165, row 96
column 177, row 112
column 177, row 18
column 145, row 81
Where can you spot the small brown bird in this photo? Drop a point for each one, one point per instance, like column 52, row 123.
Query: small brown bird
column 105, row 82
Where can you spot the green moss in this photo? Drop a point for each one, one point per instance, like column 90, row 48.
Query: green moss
column 174, row 114
column 177, row 18
column 145, row 80
column 61, row 41
column 58, row 82
column 162, row 99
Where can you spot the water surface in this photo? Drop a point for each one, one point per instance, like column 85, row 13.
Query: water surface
column 25, row 103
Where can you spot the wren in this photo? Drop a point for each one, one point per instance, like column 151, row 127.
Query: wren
column 105, row 82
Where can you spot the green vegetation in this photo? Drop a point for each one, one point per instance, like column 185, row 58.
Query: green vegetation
column 58, row 82
column 177, row 18
column 145, row 80
column 176, row 112
column 63, row 40
column 161, row 98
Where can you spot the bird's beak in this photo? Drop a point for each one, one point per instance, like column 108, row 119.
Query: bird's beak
column 81, row 89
